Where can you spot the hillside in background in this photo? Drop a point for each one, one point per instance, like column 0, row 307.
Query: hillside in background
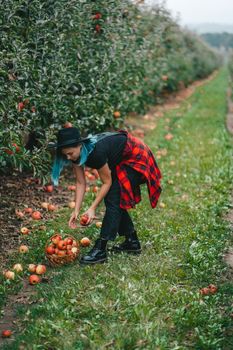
column 219, row 40
column 201, row 28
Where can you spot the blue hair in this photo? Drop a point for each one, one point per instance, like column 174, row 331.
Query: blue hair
column 60, row 160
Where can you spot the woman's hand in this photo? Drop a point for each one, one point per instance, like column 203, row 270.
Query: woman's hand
column 73, row 219
column 91, row 215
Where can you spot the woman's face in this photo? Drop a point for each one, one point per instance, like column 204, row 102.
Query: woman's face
column 72, row 153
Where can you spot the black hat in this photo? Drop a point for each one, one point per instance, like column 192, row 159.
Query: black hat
column 67, row 137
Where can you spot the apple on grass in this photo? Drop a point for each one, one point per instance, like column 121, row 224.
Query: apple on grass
column 34, row 279
column 32, row 268
column 85, row 242
column 9, row 275
column 40, row 269
column 18, row 267
column 23, row 249
column 24, row 231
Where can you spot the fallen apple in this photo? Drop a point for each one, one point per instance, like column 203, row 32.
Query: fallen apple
column 19, row 214
column 23, row 249
column 85, row 242
column 32, row 268
column 71, row 204
column 40, row 269
column 48, row 188
column 34, row 279
column 18, row 267
column 28, row 210
column 24, row 231
column 98, row 224
column 71, row 187
column 9, row 275
column 36, row 215
column 6, row 333
column 52, row 207
column 44, row 205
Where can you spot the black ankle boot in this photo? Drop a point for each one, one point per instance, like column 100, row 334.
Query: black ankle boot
column 131, row 245
column 97, row 254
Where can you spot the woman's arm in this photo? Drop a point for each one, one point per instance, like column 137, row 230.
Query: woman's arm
column 106, row 178
column 79, row 192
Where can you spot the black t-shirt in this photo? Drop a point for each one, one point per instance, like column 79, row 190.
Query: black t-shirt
column 108, row 150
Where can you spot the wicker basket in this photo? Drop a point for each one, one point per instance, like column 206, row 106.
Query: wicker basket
column 56, row 260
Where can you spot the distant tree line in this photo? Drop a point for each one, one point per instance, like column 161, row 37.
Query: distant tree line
column 219, row 39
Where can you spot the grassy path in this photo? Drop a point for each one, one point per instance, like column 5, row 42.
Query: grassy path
column 153, row 301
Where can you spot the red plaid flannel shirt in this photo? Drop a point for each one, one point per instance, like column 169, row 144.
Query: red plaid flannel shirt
column 138, row 156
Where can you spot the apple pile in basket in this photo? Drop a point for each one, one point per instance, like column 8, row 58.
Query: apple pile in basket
column 61, row 250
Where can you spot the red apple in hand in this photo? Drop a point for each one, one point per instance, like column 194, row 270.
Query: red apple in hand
column 84, row 220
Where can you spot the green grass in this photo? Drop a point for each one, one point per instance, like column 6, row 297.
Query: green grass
column 153, row 301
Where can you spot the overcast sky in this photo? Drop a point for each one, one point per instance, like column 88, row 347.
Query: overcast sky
column 199, row 11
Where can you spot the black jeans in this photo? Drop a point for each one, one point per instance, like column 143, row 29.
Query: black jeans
column 117, row 220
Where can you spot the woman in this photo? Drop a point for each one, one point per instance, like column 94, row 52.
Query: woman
column 123, row 163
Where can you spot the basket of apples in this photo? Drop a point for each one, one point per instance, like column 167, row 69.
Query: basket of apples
column 61, row 250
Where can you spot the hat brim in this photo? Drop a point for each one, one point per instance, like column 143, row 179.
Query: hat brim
column 67, row 143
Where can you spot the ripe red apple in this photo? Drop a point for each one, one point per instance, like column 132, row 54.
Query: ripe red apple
column 23, row 249
column 98, row 15
column 36, row 215
column 40, row 269
column 85, row 242
column 6, row 333
column 50, row 250
column 83, row 220
column 71, row 187
column 17, row 148
column 34, row 279
column 18, row 267
column 52, row 207
column 69, row 241
column 61, row 253
column 98, row 28
column 213, row 289
column 61, row 245
column 24, row 231
column 204, row 291
column 19, row 214
column 55, row 239
column 20, row 106
column 28, row 210
column 48, row 188
column 32, row 268
column 9, row 275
